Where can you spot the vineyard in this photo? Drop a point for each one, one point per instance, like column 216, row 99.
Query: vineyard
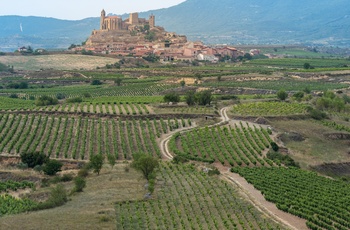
column 188, row 199
column 12, row 205
column 289, row 85
column 323, row 202
column 114, row 108
column 129, row 90
column 299, row 62
column 79, row 138
column 268, row 109
column 241, row 145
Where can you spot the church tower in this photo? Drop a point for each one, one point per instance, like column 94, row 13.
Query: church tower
column 152, row 21
column 103, row 16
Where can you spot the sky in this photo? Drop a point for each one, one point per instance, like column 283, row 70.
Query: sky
column 79, row 9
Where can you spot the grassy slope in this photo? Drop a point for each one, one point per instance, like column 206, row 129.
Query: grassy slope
column 315, row 149
column 82, row 212
column 59, row 61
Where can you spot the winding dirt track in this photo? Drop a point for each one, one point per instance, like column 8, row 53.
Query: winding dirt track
column 252, row 194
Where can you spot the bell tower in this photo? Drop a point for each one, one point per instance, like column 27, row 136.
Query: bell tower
column 152, row 21
column 103, row 16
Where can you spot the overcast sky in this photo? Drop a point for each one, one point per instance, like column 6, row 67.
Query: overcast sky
column 79, row 9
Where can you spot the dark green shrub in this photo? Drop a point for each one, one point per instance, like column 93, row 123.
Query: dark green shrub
column 274, row 146
column 33, row 159
column 52, row 167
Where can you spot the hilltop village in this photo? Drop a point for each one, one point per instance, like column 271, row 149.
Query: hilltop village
column 140, row 37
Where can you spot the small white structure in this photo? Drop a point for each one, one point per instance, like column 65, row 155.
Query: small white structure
column 207, row 57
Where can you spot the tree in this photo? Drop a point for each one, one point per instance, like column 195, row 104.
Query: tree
column 282, row 95
column 33, row 159
column 171, row 97
column 146, row 164
column 111, row 160
column 190, row 97
column 118, row 81
column 204, row 97
column 182, row 83
column 51, row 167
column 96, row 163
column 307, row 65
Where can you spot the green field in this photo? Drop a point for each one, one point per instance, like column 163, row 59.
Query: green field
column 268, row 109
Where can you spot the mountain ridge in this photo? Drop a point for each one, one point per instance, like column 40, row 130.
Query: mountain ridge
column 212, row 21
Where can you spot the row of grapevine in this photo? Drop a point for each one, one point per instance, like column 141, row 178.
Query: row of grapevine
column 79, row 138
column 12, row 205
column 14, row 185
column 108, row 108
column 188, row 199
column 239, row 145
column 323, row 202
column 130, row 90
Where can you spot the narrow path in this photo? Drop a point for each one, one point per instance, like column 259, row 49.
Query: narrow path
column 252, row 194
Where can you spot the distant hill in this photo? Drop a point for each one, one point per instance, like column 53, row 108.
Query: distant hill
column 213, row 21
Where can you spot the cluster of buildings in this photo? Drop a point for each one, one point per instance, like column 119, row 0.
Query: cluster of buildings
column 129, row 38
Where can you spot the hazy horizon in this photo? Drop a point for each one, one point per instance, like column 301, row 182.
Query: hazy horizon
column 79, row 9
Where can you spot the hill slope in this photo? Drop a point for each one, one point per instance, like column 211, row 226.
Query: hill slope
column 213, row 21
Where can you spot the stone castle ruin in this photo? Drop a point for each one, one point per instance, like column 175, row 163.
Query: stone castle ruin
column 115, row 23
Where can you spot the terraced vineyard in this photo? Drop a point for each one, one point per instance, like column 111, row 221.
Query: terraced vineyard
column 12, row 205
column 323, row 202
column 79, row 138
column 289, row 85
column 188, row 199
column 241, row 145
column 269, row 109
column 115, row 108
column 146, row 89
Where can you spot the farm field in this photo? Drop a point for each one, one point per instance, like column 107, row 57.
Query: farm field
column 194, row 123
column 241, row 145
column 323, row 202
column 74, row 138
column 60, row 62
column 268, row 109
column 188, row 199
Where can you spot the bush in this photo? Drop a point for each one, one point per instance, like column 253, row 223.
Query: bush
column 213, row 172
column 52, row 167
column 46, row 100
column 13, row 95
column 83, row 172
column 179, row 159
column 282, row 95
column 317, row 114
column 172, row 97
column 60, row 96
column 67, row 177
column 80, row 184
column 274, row 146
column 96, row 82
column 33, row 159
column 58, row 197
column 284, row 159
column 74, row 100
